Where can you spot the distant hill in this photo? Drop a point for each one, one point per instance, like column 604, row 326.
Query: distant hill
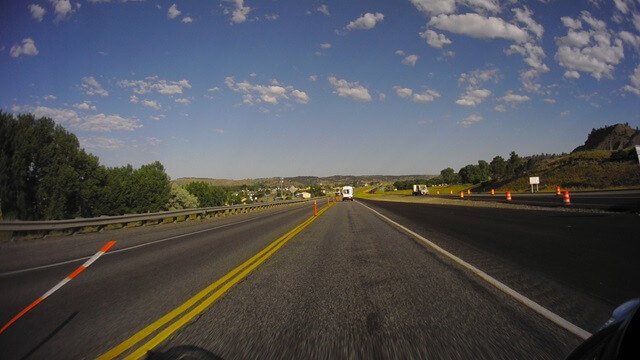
column 305, row 181
column 614, row 137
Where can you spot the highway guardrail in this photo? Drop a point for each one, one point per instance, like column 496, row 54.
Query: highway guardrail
column 40, row 228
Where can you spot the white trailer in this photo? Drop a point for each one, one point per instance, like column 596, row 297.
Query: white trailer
column 420, row 190
column 347, row 193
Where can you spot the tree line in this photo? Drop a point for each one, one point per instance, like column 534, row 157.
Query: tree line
column 46, row 175
column 499, row 169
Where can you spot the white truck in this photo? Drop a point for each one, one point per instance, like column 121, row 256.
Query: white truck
column 420, row 190
column 347, row 193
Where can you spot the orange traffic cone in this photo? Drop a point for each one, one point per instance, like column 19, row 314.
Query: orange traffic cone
column 508, row 196
column 450, row 192
column 461, row 194
column 558, row 191
column 493, row 191
column 567, row 199
column 315, row 208
column 469, row 191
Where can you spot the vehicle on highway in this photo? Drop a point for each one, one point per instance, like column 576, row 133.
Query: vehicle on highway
column 420, row 189
column 347, row 193
column 618, row 338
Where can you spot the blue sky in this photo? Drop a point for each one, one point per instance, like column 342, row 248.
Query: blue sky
column 247, row 89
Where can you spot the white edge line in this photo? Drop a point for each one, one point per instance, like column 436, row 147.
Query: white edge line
column 556, row 319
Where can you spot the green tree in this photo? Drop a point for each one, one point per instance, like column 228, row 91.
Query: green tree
column 498, row 167
column 484, row 171
column 207, row 194
column 315, row 190
column 449, row 176
column 43, row 172
column 179, row 198
column 470, row 174
column 151, row 188
column 515, row 165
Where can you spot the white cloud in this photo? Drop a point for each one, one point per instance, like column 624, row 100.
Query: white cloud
column 187, row 20
column 571, row 23
column 173, row 12
column 313, row 77
column 214, row 89
column 37, row 12
column 514, row 98
column 435, row 7
column 631, row 39
column 349, row 89
column 524, row 16
column 382, row 96
column 28, row 47
column 570, row 74
column 325, row 46
column 470, row 120
column 86, row 105
column 271, row 17
column 434, row 39
column 324, row 9
column 62, row 8
column 549, row 100
column 410, row 60
column 219, row 131
column 403, row 92
column 478, row 77
column 622, row 6
column 500, row 108
column 399, row 52
column 270, row 94
column 107, row 123
column 133, row 99
column 492, row 6
column 478, row 26
column 366, row 22
column 50, row 97
column 300, row 96
column 595, row 51
column 154, row 141
column 473, row 97
column 183, row 101
column 425, row 96
column 635, row 82
column 151, row 103
column 97, row 123
column 103, row 143
column 150, row 84
column 239, row 12
column 564, row 113
column 91, row 87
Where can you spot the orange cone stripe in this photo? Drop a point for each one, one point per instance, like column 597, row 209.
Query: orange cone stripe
column 60, row 284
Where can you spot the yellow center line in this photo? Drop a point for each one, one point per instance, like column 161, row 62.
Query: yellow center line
column 241, row 271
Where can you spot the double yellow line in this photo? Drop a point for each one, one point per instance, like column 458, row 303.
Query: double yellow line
column 213, row 291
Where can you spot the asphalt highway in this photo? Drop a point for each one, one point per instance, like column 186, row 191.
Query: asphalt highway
column 347, row 285
column 124, row 290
